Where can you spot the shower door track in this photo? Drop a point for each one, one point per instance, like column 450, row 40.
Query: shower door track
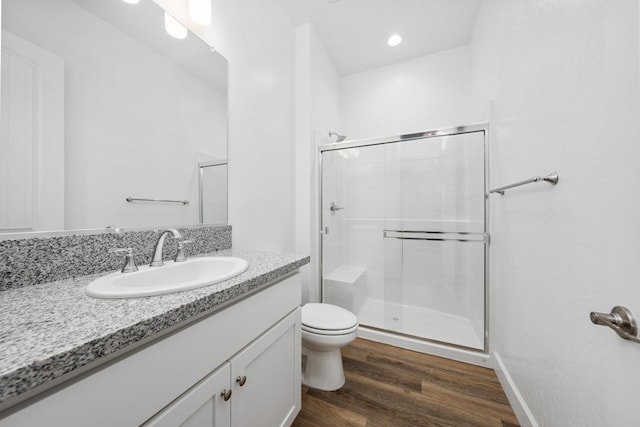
column 485, row 238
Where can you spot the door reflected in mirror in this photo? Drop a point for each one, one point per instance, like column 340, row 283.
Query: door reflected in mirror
column 213, row 193
column 99, row 104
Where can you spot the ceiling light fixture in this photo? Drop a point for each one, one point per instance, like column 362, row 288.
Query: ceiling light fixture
column 394, row 40
column 200, row 12
column 173, row 27
column 131, row 1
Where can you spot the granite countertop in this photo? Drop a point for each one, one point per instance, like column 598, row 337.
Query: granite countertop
column 52, row 329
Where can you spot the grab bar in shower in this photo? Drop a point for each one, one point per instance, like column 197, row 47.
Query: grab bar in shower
column 436, row 236
column 136, row 199
column 551, row 179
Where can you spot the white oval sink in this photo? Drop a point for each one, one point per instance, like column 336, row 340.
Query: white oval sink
column 171, row 277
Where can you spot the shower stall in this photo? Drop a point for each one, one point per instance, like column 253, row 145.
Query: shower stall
column 404, row 234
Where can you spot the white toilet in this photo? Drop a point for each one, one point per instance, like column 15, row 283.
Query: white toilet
column 326, row 329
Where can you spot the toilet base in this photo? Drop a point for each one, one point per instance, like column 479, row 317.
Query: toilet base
column 322, row 369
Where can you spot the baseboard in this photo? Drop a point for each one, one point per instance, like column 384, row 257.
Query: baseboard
column 519, row 406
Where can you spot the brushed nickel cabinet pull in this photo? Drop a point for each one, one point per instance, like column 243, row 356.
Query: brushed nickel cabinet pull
column 226, row 394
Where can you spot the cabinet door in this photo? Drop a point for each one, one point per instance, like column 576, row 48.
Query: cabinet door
column 202, row 406
column 269, row 369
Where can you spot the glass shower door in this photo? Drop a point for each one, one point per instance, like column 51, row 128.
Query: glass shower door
column 352, row 220
column 434, row 239
column 404, row 236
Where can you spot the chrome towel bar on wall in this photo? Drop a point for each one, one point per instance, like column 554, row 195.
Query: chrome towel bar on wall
column 552, row 178
column 137, row 199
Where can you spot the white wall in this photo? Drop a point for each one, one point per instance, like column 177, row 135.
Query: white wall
column 303, row 150
column 317, row 113
column 257, row 38
column 564, row 80
column 325, row 118
column 428, row 92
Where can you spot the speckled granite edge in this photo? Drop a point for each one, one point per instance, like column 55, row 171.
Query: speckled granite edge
column 21, row 379
column 25, row 262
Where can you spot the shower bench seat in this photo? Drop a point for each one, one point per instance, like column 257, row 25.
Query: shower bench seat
column 346, row 286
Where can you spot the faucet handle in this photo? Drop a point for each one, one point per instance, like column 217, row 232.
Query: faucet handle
column 181, row 255
column 129, row 263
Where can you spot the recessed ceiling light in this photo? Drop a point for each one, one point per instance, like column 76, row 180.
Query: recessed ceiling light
column 394, row 40
column 131, row 1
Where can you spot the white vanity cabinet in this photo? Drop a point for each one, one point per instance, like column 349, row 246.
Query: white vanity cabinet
column 259, row 386
column 250, row 350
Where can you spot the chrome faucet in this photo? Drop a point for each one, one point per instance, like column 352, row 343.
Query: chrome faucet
column 157, row 252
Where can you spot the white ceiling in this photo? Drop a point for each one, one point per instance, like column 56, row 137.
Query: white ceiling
column 355, row 32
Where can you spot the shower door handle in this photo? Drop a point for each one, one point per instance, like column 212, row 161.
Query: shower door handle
column 333, row 208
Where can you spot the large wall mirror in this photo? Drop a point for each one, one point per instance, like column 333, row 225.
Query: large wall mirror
column 101, row 104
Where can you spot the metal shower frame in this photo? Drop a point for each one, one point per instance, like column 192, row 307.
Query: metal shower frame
column 435, row 133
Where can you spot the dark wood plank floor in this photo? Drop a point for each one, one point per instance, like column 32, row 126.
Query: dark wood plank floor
column 388, row 386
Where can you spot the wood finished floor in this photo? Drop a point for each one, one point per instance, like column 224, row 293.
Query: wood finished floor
column 392, row 387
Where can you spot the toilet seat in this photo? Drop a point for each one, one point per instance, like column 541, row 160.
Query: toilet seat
column 329, row 331
column 328, row 319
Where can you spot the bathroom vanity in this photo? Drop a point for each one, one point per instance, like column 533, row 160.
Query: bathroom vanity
column 223, row 355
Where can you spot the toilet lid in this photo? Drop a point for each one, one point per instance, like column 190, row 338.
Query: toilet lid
column 327, row 317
